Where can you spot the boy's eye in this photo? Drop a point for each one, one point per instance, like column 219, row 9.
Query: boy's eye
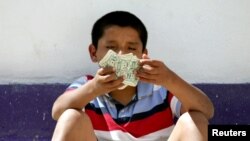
column 132, row 48
column 110, row 47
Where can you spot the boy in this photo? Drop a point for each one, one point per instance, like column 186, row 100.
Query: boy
column 96, row 108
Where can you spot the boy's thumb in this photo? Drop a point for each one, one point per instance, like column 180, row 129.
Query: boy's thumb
column 145, row 56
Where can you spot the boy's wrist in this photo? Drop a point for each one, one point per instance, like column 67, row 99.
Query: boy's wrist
column 171, row 76
column 92, row 88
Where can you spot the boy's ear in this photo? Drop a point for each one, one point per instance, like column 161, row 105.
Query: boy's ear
column 92, row 52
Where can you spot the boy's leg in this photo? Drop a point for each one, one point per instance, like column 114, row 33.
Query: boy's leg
column 74, row 125
column 191, row 126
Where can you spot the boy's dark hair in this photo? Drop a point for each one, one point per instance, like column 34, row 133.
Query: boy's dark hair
column 122, row 19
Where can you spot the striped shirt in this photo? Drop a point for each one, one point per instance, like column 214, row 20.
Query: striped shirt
column 148, row 117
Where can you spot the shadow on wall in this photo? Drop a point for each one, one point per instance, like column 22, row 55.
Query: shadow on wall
column 26, row 109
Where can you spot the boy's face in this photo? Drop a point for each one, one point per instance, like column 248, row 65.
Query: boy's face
column 122, row 40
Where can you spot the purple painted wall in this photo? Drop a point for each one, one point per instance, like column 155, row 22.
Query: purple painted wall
column 26, row 109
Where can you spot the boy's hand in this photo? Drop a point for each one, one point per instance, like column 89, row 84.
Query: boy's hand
column 153, row 71
column 106, row 80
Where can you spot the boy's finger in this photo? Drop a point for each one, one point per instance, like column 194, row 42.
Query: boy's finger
column 115, row 83
column 147, row 75
column 148, row 69
column 109, row 77
column 106, row 70
column 145, row 56
column 150, row 62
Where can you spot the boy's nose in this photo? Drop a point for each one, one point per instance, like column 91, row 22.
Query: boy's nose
column 121, row 52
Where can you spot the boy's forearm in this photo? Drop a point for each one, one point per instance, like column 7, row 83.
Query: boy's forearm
column 191, row 97
column 74, row 99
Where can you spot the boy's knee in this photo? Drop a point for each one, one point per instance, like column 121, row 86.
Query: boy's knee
column 73, row 115
column 73, row 125
column 193, row 116
column 193, row 120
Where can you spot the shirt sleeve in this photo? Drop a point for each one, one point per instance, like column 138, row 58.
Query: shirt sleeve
column 175, row 104
column 79, row 82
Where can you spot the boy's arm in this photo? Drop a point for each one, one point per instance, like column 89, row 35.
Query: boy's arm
column 190, row 96
column 153, row 71
column 104, row 81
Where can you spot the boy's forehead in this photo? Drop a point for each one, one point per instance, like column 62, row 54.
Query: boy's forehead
column 128, row 42
column 117, row 31
column 116, row 28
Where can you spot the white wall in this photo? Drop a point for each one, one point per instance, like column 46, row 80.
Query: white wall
column 46, row 41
